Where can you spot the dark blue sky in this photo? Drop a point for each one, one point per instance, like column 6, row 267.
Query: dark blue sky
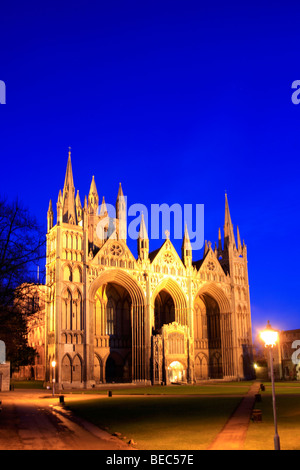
column 179, row 101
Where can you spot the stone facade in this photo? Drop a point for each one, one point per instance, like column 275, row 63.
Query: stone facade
column 160, row 318
column 289, row 345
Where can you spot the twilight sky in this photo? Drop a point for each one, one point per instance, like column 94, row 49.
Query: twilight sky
column 179, row 101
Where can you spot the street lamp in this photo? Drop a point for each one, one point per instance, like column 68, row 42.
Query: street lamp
column 53, row 363
column 270, row 337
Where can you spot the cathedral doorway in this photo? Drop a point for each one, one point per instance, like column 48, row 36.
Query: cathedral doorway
column 176, row 372
column 117, row 306
column 207, row 337
column 114, row 368
column 113, row 322
column 164, row 310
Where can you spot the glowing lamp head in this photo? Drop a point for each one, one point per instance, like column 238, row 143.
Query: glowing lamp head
column 53, row 363
column 269, row 336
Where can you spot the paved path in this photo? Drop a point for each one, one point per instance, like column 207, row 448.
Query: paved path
column 31, row 420
column 233, row 435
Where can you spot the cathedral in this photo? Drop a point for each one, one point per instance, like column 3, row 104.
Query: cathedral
column 159, row 318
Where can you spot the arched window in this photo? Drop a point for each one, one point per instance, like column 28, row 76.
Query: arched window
column 67, row 310
column 66, row 369
column 77, row 274
column 77, row 311
column 110, row 317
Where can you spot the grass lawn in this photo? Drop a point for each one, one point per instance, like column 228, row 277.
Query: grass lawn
column 260, row 436
column 160, row 423
column 28, row 384
column 188, row 422
column 230, row 388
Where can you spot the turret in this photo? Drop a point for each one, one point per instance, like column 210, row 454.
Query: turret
column 143, row 241
column 229, row 239
column 59, row 208
column 68, row 197
column 50, row 217
column 121, row 214
column 239, row 244
column 103, row 209
column 78, row 208
column 186, row 249
column 93, row 197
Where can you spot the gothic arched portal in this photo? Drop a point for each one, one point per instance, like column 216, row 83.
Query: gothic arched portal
column 213, row 330
column 119, row 326
column 207, row 332
column 164, row 309
column 112, row 320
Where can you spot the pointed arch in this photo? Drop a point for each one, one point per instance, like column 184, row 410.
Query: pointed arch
column 77, row 369
column 179, row 298
column 140, row 327
column 77, row 310
column 223, row 324
column 218, row 294
column 66, row 318
column 201, row 367
column 66, row 369
column 67, row 272
column 77, row 274
column 98, row 369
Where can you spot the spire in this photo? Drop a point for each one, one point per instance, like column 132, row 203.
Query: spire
column 228, row 227
column 239, row 239
column 120, row 192
column 77, row 200
column 220, row 243
column 93, row 197
column 205, row 248
column 186, row 240
column 143, row 240
column 143, row 235
column 78, row 207
column 50, row 208
column 120, row 200
column 103, row 210
column 121, row 214
column 69, row 213
column 50, row 216
column 59, row 207
column 186, row 249
column 59, row 198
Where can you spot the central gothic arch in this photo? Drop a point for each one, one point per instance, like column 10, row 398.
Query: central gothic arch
column 123, row 356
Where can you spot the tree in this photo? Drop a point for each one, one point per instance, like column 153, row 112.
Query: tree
column 22, row 247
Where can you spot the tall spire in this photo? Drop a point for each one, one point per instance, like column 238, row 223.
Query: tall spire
column 93, row 197
column 50, row 216
column 69, row 211
column 143, row 235
column 239, row 239
column 121, row 214
column 120, row 204
column 228, row 227
column 103, row 209
column 78, row 207
column 220, row 243
column 143, row 240
column 186, row 248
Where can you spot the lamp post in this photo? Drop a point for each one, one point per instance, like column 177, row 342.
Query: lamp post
column 53, row 363
column 270, row 337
